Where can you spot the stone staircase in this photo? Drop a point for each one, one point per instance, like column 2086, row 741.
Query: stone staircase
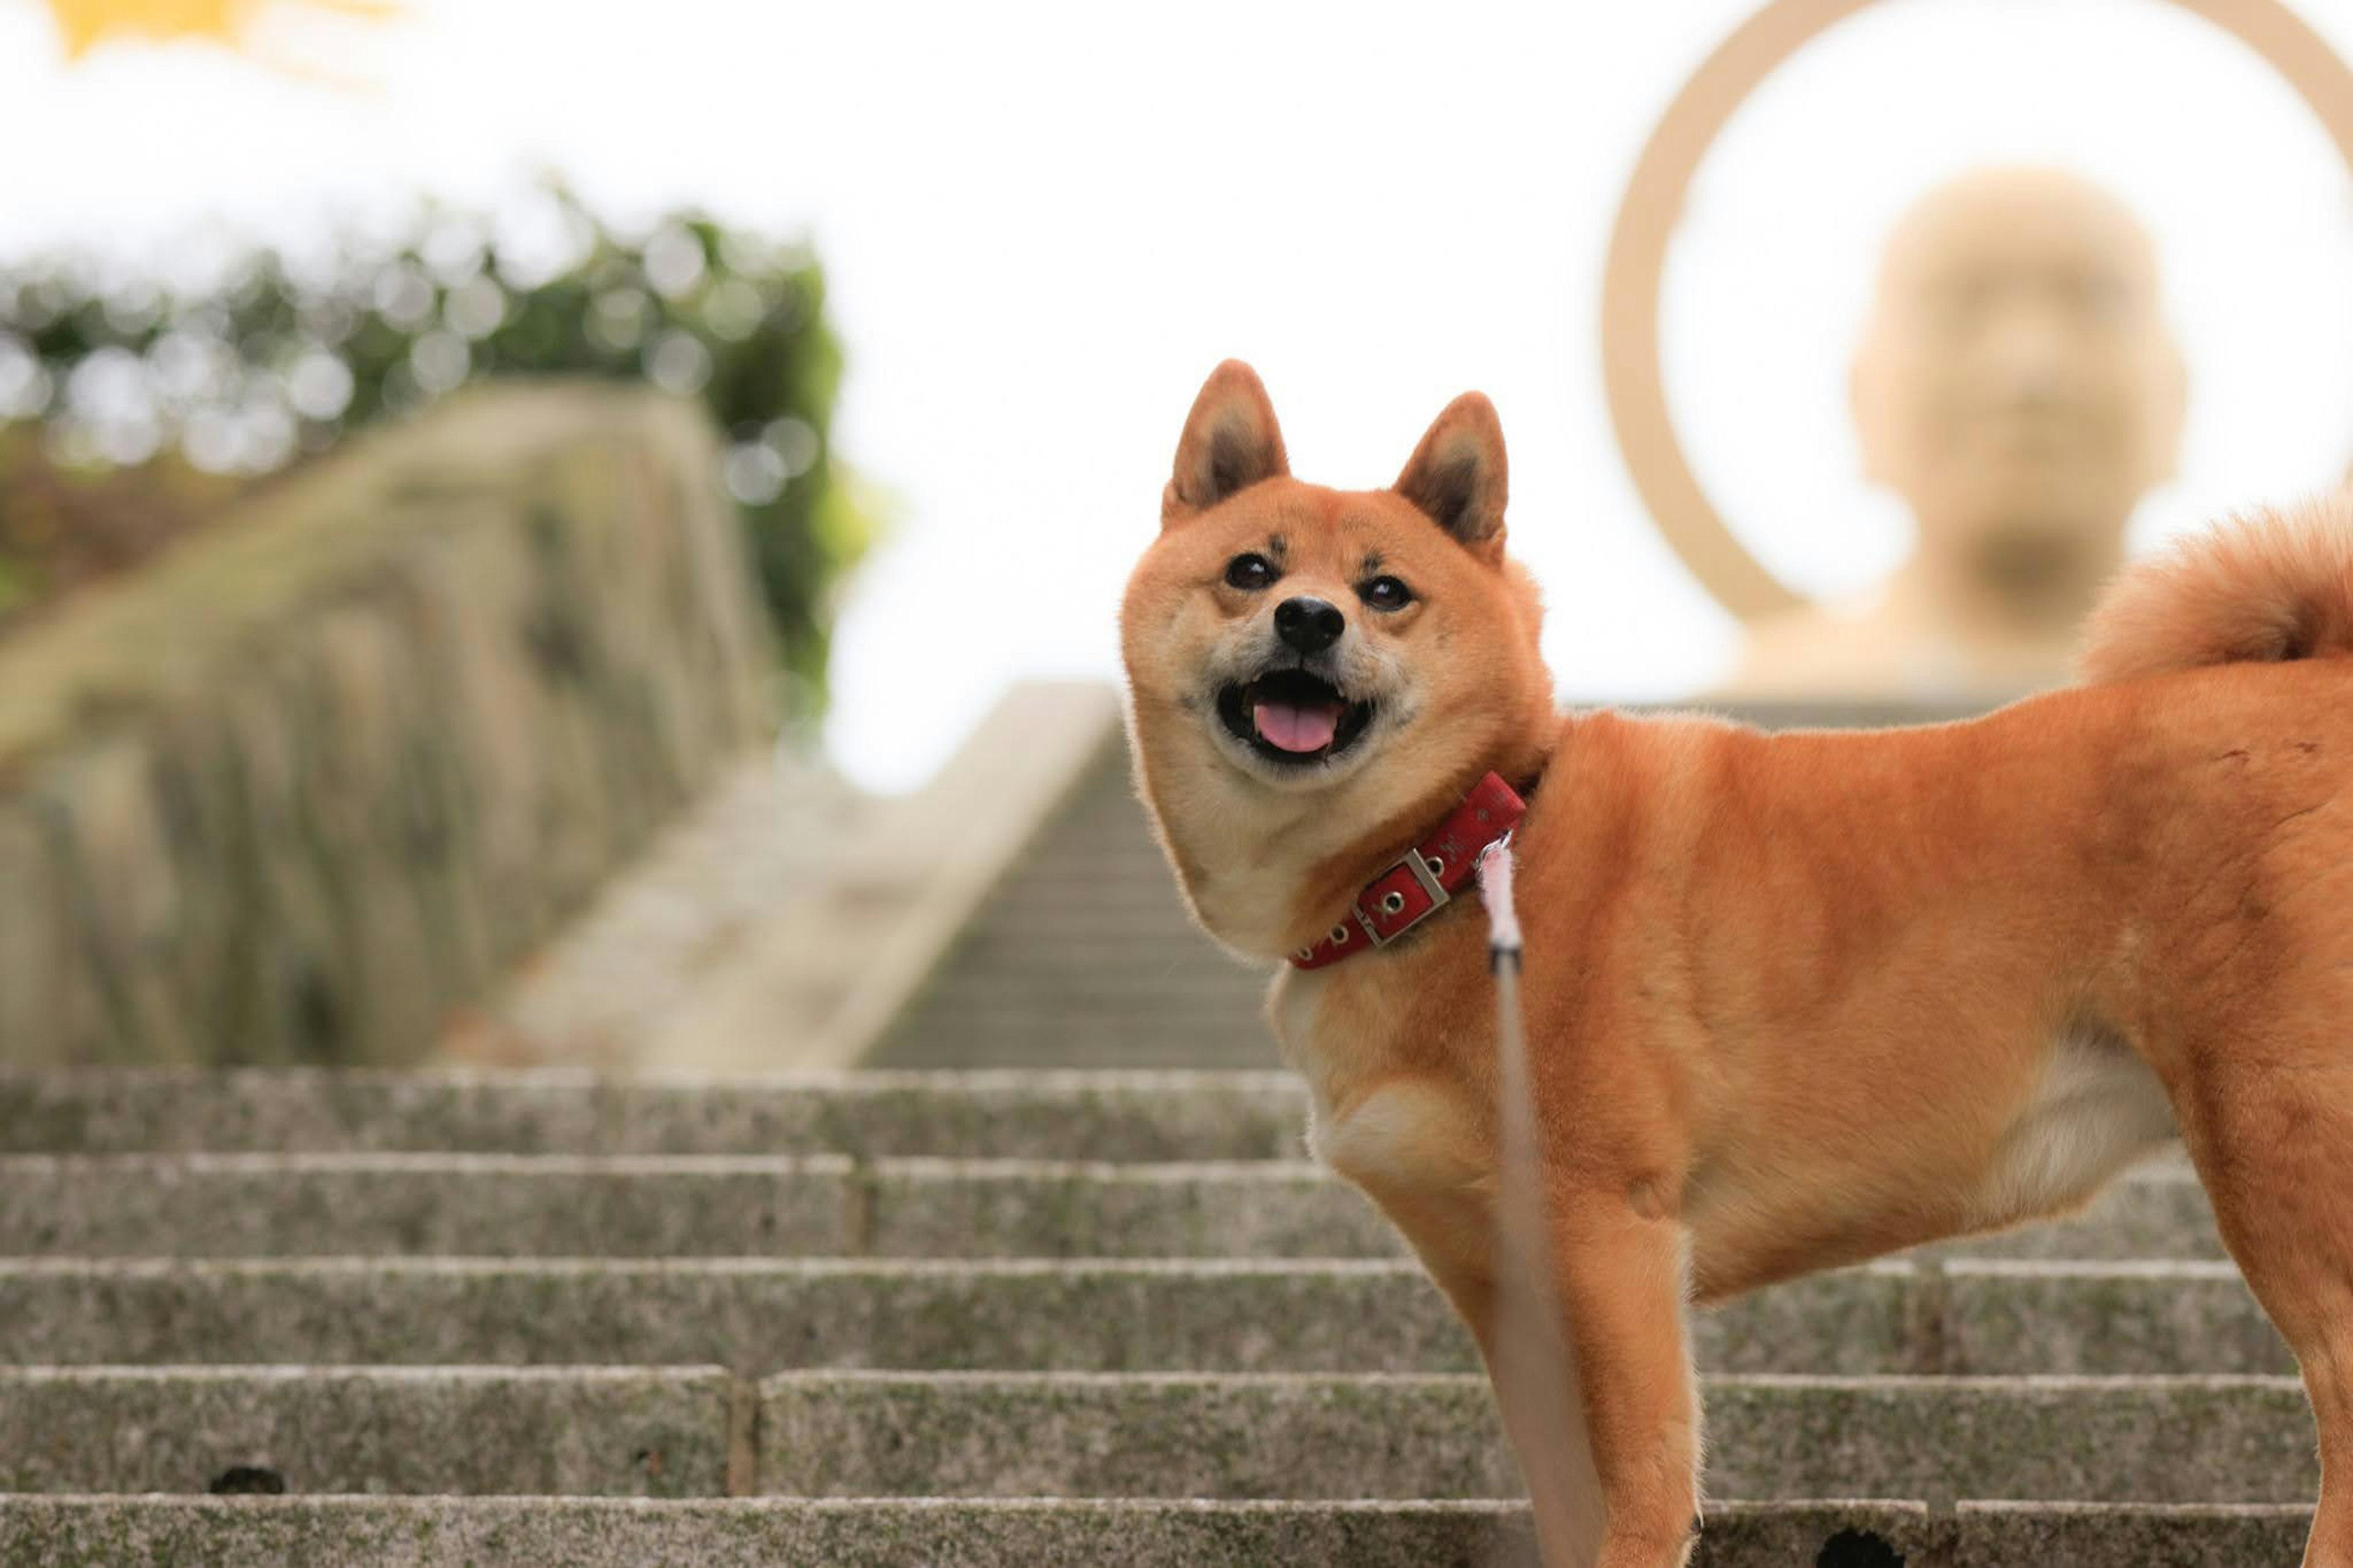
column 995, row 1318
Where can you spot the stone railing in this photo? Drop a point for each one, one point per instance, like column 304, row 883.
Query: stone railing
column 303, row 784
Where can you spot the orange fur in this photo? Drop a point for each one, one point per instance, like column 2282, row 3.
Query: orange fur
column 1793, row 1000
column 2271, row 587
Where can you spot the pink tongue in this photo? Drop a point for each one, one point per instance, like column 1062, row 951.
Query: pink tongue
column 1295, row 729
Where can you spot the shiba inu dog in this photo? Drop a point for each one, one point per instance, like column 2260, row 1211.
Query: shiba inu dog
column 1792, row 1000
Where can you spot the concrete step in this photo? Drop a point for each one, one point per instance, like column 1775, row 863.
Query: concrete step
column 236, row 1205
column 590, row 1431
column 1079, row 1115
column 2068, row 1439
column 2003, row 1316
column 427, row 1532
column 233, row 1206
column 1985, row 1317
column 663, row 1432
column 894, row 1254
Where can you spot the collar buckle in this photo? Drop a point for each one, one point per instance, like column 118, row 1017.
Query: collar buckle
column 1411, row 860
column 1441, row 868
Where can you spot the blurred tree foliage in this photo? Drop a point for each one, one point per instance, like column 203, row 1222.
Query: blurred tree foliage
column 83, row 25
column 131, row 409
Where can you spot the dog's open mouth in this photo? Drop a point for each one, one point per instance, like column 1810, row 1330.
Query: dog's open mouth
column 1291, row 716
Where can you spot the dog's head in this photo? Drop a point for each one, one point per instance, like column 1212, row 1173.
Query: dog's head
column 1313, row 672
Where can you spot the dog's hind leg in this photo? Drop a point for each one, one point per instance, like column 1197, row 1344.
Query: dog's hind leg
column 2269, row 1121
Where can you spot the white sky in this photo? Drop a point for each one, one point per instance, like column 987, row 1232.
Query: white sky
column 1044, row 222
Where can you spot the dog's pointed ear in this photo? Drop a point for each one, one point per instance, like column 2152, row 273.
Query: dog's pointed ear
column 1230, row 443
column 1457, row 476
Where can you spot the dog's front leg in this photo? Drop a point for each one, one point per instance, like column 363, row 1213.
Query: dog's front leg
column 1621, row 1284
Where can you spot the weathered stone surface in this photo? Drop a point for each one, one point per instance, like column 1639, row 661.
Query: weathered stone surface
column 924, row 1208
column 243, row 1205
column 2159, row 1439
column 32, row 975
column 2105, row 1317
column 1084, row 955
column 563, row 1431
column 414, row 1533
column 306, row 780
column 1128, row 1116
column 655, row 1205
column 1276, row 1376
column 2118, row 1440
column 143, row 1112
column 1855, row 1322
column 995, row 1117
column 988, row 1435
column 1125, row 1116
column 225, row 1205
column 1112, row 1316
column 2025, row 1534
column 753, row 1315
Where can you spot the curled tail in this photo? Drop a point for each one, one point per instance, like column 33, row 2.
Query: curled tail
column 2266, row 587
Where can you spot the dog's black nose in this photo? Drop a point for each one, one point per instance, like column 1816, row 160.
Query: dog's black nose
column 1311, row 626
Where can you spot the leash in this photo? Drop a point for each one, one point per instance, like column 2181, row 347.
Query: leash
column 1533, row 1356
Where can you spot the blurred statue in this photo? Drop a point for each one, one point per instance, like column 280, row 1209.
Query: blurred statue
column 2018, row 389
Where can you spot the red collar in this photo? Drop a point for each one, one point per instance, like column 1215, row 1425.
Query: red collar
column 1425, row 879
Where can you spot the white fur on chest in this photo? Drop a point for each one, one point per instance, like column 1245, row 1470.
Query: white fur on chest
column 1388, row 1132
column 1291, row 1012
column 2098, row 1109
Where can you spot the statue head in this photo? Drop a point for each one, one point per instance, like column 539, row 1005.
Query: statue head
column 2017, row 386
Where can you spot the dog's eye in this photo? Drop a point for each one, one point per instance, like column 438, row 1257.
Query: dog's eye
column 1385, row 593
column 1252, row 572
